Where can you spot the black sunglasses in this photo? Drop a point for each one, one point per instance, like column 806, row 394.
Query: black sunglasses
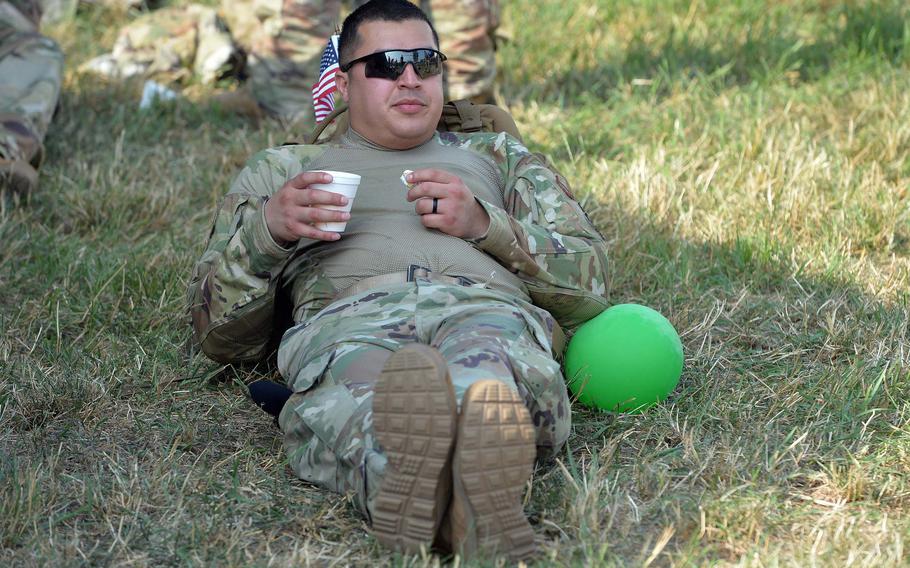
column 392, row 63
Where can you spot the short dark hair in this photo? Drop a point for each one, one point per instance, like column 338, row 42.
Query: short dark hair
column 377, row 10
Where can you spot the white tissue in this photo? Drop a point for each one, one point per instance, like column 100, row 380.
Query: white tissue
column 153, row 91
column 404, row 179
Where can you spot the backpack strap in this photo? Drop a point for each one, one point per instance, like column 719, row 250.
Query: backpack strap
column 313, row 138
column 462, row 116
column 466, row 116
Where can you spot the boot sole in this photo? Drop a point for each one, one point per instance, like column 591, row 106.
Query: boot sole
column 494, row 458
column 414, row 419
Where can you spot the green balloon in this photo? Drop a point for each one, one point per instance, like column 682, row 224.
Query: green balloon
column 624, row 360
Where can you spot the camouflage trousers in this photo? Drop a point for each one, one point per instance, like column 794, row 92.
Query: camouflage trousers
column 333, row 361
column 31, row 69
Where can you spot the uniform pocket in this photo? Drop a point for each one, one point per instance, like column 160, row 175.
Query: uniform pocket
column 315, row 429
column 304, row 375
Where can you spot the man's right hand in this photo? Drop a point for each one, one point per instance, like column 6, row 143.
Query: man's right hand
column 292, row 211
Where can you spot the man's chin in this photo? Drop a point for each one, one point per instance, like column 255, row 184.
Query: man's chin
column 414, row 125
column 403, row 136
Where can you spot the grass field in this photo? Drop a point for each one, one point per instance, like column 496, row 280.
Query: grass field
column 749, row 165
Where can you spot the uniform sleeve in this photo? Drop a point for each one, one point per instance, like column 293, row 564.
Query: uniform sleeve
column 545, row 237
column 232, row 292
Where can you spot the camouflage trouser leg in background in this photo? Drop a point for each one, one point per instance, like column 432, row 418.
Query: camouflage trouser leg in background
column 466, row 31
column 284, row 40
column 332, row 364
column 467, row 35
column 31, row 69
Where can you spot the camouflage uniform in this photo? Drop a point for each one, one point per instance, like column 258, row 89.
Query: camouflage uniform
column 31, row 67
column 172, row 45
column 332, row 356
column 284, row 40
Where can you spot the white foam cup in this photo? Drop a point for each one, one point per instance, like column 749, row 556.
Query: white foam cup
column 344, row 183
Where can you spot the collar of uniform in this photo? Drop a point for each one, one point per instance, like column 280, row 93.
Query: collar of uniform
column 353, row 139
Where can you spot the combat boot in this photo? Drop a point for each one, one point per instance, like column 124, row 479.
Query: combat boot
column 493, row 460
column 414, row 420
column 18, row 176
column 21, row 154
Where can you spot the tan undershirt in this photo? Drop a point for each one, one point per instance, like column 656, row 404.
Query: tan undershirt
column 385, row 235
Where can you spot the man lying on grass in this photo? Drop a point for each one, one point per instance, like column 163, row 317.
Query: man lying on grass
column 421, row 359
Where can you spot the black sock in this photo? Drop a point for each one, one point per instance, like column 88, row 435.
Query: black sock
column 270, row 396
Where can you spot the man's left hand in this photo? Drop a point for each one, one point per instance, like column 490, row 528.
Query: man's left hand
column 458, row 213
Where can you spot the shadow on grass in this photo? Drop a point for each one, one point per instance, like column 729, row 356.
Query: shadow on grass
column 794, row 381
column 738, row 56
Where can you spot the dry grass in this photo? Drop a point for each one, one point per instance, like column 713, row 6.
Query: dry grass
column 749, row 167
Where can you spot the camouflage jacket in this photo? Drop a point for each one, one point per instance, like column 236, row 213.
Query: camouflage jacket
column 543, row 236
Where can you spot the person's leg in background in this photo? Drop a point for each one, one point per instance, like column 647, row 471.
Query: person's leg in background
column 284, row 40
column 466, row 31
column 31, row 66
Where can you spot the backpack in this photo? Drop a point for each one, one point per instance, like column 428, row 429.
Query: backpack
column 457, row 116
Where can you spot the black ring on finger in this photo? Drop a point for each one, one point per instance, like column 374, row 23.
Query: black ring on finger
column 435, row 204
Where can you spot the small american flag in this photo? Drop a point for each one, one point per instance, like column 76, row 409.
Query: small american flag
column 324, row 88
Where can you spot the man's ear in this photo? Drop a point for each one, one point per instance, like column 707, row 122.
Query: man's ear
column 341, row 82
